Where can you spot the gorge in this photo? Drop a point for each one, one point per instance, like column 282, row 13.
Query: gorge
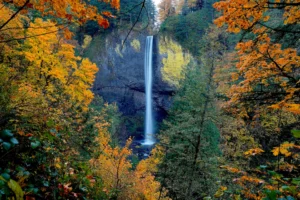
column 125, row 100
column 121, row 79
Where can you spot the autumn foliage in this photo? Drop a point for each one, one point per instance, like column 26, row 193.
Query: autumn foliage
column 69, row 11
column 262, row 64
column 115, row 169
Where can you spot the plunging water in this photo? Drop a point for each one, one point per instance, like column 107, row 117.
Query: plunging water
column 149, row 129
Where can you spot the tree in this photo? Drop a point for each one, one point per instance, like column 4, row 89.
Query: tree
column 267, row 69
column 190, row 136
column 166, row 9
column 120, row 181
column 71, row 11
column 45, row 94
column 188, row 25
column 65, row 13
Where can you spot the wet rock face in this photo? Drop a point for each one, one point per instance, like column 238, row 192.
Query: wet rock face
column 121, row 75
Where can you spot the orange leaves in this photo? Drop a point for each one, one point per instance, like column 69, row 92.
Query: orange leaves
column 245, row 46
column 108, row 14
column 232, row 169
column 290, row 107
column 253, row 152
column 103, row 22
column 293, row 108
column 239, row 14
column 70, row 10
column 250, row 179
column 261, row 62
column 68, row 34
column 292, row 14
column 220, row 21
column 115, row 4
column 250, row 4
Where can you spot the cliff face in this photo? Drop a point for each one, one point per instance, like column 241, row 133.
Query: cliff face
column 121, row 74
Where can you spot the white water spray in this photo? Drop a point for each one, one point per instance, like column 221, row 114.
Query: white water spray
column 149, row 129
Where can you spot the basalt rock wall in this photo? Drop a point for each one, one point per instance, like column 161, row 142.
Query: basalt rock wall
column 121, row 74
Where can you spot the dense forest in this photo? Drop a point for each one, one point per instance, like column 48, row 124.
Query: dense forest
column 231, row 132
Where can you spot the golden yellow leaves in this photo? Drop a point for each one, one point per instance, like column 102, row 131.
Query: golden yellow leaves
column 253, row 152
column 114, row 168
column 47, row 74
column 220, row 192
column 175, row 61
column 284, row 149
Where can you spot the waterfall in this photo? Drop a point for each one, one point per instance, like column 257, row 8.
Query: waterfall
column 149, row 129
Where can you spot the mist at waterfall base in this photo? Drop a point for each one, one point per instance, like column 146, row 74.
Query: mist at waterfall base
column 149, row 122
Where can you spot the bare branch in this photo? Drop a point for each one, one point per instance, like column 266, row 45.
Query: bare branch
column 15, row 14
column 136, row 21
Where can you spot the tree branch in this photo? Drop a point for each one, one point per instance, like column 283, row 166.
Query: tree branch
column 275, row 29
column 281, row 70
column 283, row 3
column 24, row 38
column 136, row 21
column 15, row 14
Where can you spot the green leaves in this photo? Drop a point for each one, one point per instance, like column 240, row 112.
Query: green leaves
column 6, row 134
column 296, row 181
column 14, row 141
column 16, row 188
column 271, row 194
column 50, row 123
column 4, row 176
column 35, row 144
column 6, row 145
column 7, row 139
column 6, row 182
column 296, row 133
